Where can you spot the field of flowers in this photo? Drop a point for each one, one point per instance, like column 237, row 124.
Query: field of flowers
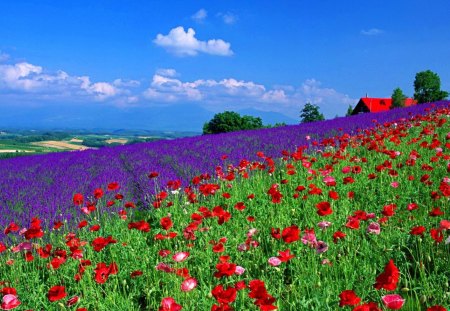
column 43, row 185
column 346, row 220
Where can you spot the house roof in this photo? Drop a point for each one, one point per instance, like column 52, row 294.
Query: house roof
column 383, row 104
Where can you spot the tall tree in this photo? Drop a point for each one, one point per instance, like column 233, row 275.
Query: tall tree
column 349, row 111
column 427, row 87
column 310, row 113
column 398, row 98
column 230, row 121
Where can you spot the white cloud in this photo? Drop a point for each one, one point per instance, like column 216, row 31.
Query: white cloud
column 21, row 76
column 277, row 96
column 167, row 72
column 372, row 32
column 200, row 15
column 24, row 78
column 184, row 43
column 238, row 94
column 228, row 18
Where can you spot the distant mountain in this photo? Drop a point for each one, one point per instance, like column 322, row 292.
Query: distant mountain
column 185, row 117
column 169, row 118
column 269, row 117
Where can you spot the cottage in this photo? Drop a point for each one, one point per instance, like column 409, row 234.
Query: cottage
column 368, row 104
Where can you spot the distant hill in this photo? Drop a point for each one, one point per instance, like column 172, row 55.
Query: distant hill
column 184, row 118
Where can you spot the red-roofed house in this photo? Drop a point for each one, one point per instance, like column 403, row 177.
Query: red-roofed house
column 368, row 104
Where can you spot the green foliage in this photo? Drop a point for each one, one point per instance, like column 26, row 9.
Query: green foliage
column 311, row 113
column 230, row 121
column 349, row 111
column 95, row 142
column 398, row 98
column 427, row 87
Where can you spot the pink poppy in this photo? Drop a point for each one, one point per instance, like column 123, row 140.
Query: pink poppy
column 274, row 261
column 189, row 284
column 374, row 228
column 393, row 301
column 181, row 256
column 9, row 302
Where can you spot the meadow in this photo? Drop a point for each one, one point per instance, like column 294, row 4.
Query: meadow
column 346, row 214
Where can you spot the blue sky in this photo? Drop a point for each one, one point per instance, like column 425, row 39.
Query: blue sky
column 217, row 55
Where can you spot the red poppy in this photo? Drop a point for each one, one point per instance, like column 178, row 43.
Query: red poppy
column 136, row 273
column 224, row 296
column 436, row 212
column 78, row 199
column 141, row 225
column 94, row 228
column 102, row 272
column 338, row 235
column 57, row 225
column 333, row 195
column 348, row 298
column 291, row 234
column 9, row 291
column 113, row 186
column 419, row 230
column 225, row 269
column 12, row 227
column 56, row 293
column 352, row 223
column 82, row 224
column 389, row 278
column 130, row 205
column 2, row 247
column 218, row 248
column 285, row 256
column 369, row 306
column 166, row 223
column 389, row 210
column 35, row 230
column 324, row 208
column 99, row 243
column 240, row 206
column 98, row 193
column 436, row 235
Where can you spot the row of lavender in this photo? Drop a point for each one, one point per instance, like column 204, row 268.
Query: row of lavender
column 44, row 185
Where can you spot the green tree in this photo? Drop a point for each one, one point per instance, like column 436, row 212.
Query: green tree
column 310, row 113
column 230, row 121
column 349, row 111
column 427, row 87
column 398, row 98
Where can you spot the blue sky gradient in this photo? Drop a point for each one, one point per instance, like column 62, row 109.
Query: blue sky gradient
column 267, row 55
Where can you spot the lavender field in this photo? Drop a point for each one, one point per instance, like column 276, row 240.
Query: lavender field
column 43, row 185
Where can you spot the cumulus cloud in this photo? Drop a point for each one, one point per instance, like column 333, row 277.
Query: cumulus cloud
column 184, row 43
column 372, row 32
column 21, row 76
column 24, row 78
column 237, row 94
column 167, row 72
column 228, row 18
column 200, row 15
